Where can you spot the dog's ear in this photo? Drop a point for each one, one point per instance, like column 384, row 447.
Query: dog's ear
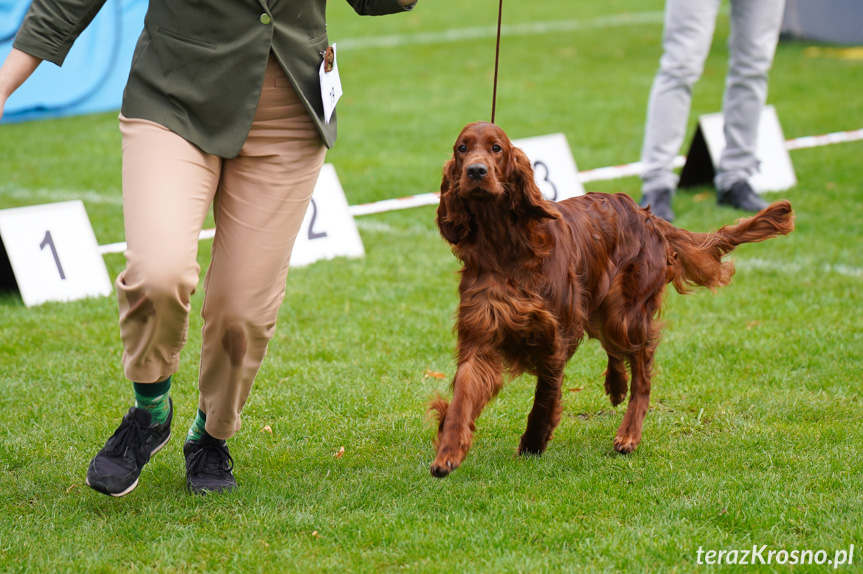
column 453, row 219
column 525, row 196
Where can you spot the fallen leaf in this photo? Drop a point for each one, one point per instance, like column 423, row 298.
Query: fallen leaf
column 267, row 428
column 576, row 389
column 315, row 534
column 71, row 487
column 340, row 453
column 751, row 324
column 701, row 196
column 433, row 374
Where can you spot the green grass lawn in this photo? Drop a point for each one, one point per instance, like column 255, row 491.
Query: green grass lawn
column 754, row 434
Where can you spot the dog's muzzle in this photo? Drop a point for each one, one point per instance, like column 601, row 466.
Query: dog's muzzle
column 477, row 171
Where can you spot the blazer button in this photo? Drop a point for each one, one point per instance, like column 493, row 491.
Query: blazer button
column 265, row 19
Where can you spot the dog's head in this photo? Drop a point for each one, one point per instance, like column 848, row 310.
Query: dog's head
column 481, row 161
column 486, row 168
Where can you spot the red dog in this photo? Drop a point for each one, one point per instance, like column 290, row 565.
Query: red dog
column 539, row 275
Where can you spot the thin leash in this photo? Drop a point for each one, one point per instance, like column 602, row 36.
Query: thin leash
column 496, row 60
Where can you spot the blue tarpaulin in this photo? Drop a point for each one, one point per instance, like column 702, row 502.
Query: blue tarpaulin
column 95, row 71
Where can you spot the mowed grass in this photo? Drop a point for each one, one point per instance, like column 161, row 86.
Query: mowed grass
column 753, row 438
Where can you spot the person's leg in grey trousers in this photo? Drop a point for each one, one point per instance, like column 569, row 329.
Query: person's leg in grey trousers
column 755, row 28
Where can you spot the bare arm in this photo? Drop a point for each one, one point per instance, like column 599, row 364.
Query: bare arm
column 17, row 68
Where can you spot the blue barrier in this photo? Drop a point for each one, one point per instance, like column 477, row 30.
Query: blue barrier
column 94, row 73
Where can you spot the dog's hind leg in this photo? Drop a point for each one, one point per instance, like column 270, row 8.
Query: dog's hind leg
column 616, row 380
column 629, row 433
column 545, row 414
column 477, row 379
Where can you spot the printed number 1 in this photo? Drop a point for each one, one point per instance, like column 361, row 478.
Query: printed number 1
column 49, row 241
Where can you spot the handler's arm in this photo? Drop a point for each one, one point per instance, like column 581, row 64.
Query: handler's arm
column 17, row 68
column 48, row 31
column 52, row 26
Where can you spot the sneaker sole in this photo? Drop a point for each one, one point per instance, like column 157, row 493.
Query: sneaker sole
column 134, row 484
column 114, row 494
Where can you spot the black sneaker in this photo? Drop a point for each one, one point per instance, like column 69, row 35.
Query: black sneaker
column 115, row 469
column 208, row 466
column 742, row 196
column 659, row 201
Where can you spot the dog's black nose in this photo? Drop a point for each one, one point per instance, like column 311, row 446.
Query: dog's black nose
column 477, row 171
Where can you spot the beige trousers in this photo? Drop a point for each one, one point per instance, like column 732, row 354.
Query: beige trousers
column 259, row 200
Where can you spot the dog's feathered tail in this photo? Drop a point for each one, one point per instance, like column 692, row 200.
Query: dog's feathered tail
column 695, row 259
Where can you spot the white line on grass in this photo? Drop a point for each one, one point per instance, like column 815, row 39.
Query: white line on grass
column 374, row 226
column 798, row 267
column 60, row 195
column 485, row 32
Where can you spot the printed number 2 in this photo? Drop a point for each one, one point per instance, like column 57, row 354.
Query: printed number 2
column 49, row 241
column 312, row 233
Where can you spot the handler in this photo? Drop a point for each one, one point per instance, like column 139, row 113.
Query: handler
column 223, row 106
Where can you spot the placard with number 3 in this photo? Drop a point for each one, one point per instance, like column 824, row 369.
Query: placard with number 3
column 554, row 168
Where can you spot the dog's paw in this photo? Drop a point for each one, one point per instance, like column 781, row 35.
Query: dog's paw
column 617, row 398
column 531, row 446
column 441, row 469
column 625, row 444
column 447, row 460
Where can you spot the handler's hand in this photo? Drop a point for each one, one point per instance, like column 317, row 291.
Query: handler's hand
column 17, row 68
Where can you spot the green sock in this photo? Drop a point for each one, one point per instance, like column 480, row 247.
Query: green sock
column 154, row 397
column 196, row 431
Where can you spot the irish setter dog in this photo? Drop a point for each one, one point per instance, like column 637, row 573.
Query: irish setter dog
column 539, row 275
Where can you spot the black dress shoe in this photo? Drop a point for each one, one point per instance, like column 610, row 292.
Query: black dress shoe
column 659, row 202
column 742, row 196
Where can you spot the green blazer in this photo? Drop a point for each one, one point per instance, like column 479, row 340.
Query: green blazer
column 198, row 67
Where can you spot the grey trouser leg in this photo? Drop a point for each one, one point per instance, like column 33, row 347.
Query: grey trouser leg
column 755, row 28
column 689, row 27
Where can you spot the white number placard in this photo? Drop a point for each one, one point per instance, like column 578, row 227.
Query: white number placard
column 775, row 171
column 328, row 229
column 553, row 166
column 53, row 252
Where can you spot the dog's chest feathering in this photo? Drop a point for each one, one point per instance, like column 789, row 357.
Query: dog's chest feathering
column 514, row 317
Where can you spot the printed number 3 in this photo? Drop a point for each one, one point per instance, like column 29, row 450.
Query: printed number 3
column 49, row 241
column 546, row 186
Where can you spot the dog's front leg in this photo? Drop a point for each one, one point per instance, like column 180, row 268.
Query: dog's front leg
column 477, row 379
column 545, row 415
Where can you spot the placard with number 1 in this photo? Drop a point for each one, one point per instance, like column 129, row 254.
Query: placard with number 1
column 53, row 252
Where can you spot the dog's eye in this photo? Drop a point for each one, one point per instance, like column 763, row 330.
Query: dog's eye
column 462, row 148
column 496, row 148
